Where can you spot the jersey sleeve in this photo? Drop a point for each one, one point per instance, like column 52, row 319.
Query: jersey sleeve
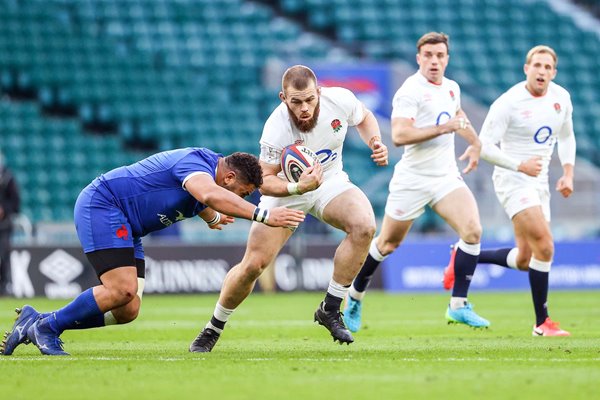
column 191, row 165
column 405, row 103
column 275, row 136
column 496, row 122
column 566, row 138
column 493, row 129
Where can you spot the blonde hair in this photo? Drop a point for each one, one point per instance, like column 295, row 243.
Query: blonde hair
column 541, row 49
column 433, row 38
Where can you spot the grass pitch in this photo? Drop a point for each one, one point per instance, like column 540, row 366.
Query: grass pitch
column 271, row 349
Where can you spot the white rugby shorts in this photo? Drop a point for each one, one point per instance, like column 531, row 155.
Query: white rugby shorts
column 314, row 202
column 516, row 194
column 411, row 192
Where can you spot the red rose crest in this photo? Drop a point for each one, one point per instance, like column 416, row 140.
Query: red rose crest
column 557, row 108
column 452, row 95
column 336, row 125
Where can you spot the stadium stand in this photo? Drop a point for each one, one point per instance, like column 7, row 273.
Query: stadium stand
column 90, row 85
column 488, row 41
column 149, row 75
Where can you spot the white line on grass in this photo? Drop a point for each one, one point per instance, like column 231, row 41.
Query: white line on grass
column 322, row 359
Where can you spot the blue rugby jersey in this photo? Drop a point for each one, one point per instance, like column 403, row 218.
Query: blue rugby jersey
column 150, row 192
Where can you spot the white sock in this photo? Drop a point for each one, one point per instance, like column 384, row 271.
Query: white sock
column 374, row 251
column 511, row 258
column 337, row 290
column 470, row 248
column 542, row 266
column 356, row 295
column 457, row 302
column 222, row 314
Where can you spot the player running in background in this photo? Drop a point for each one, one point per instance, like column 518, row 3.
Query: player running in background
column 317, row 118
column 119, row 207
column 527, row 121
column 426, row 113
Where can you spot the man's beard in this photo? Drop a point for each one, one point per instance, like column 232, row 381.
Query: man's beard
column 306, row 125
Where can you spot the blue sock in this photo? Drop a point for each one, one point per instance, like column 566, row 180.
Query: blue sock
column 81, row 313
column 497, row 257
column 365, row 274
column 538, row 280
column 464, row 268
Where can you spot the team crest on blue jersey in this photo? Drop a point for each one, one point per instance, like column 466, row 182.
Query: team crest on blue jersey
column 122, row 232
column 336, row 125
column 557, row 108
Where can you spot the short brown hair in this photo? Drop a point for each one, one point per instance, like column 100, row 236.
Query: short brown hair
column 541, row 49
column 246, row 166
column 433, row 38
column 298, row 77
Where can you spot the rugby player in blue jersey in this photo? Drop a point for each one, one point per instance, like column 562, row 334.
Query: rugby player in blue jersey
column 118, row 208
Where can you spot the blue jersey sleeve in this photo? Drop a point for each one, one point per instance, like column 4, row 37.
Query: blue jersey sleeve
column 198, row 161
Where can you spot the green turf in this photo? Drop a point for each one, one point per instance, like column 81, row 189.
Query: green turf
column 271, row 349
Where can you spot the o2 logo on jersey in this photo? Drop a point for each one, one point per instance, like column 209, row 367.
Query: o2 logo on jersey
column 326, row 155
column 542, row 135
column 443, row 118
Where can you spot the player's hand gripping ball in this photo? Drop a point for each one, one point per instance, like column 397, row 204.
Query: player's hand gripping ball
column 295, row 159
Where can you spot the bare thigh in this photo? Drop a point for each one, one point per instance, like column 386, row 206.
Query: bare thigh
column 459, row 209
column 349, row 210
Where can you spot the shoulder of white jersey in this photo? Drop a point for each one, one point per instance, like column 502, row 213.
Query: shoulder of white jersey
column 278, row 122
column 515, row 93
column 408, row 85
column 278, row 115
column 450, row 82
column 559, row 90
column 335, row 92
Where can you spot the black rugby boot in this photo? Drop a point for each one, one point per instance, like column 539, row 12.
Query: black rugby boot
column 205, row 341
column 333, row 321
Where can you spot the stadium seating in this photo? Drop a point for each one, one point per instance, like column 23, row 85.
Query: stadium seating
column 52, row 159
column 149, row 74
column 158, row 74
column 489, row 40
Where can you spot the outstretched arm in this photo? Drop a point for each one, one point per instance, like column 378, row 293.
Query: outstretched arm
column 494, row 127
column 214, row 219
column 206, row 191
column 404, row 132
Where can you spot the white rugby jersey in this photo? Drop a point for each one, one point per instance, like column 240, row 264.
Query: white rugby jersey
column 527, row 126
column 339, row 109
column 428, row 104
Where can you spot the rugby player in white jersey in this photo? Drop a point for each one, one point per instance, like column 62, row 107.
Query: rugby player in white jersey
column 317, row 118
column 527, row 121
column 426, row 114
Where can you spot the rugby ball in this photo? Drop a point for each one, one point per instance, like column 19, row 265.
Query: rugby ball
column 295, row 159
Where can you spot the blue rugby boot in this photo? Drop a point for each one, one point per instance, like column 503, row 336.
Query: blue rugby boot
column 353, row 314
column 466, row 315
column 26, row 316
column 45, row 338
